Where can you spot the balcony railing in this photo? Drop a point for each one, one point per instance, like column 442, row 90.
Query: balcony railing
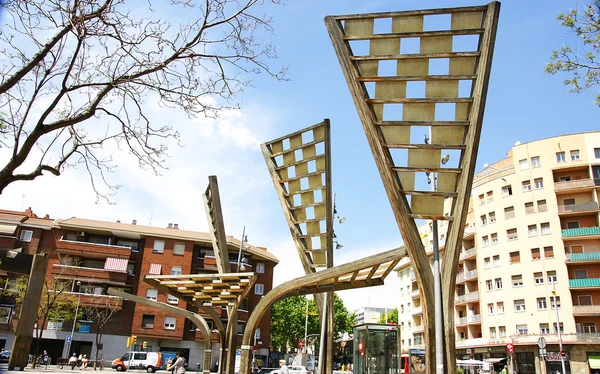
column 462, row 343
column 472, row 296
column 469, row 320
column 582, row 231
column 574, row 208
column 84, row 272
column 415, row 293
column 418, row 329
column 569, row 185
column 468, row 253
column 466, row 276
column 582, row 257
column 586, row 310
column 584, row 283
column 413, row 276
column 78, row 248
column 417, row 310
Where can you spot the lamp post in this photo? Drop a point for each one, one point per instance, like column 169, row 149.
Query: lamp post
column 560, row 345
column 75, row 317
column 244, row 239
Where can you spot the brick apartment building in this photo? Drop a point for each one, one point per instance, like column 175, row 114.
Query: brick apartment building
column 88, row 256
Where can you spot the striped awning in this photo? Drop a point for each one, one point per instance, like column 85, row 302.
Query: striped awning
column 118, row 265
column 7, row 229
column 155, row 269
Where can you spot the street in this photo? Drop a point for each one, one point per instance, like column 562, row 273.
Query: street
column 54, row 369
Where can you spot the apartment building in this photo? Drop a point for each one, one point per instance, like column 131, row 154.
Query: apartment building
column 531, row 247
column 369, row 314
column 88, row 256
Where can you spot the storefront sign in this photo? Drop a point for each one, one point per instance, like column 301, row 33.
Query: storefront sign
column 481, row 350
column 555, row 356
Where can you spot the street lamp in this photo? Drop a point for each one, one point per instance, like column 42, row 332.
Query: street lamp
column 562, row 359
column 240, row 261
column 75, row 317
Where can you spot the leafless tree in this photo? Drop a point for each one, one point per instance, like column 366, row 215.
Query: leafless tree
column 78, row 75
column 101, row 309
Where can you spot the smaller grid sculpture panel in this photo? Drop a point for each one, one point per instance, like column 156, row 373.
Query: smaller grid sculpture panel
column 298, row 165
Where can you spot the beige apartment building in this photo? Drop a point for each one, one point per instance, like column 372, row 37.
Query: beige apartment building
column 533, row 227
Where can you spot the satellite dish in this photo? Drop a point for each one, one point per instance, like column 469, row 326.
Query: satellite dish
column 517, row 142
column 485, row 165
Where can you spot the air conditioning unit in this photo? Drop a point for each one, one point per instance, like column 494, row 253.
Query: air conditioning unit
column 148, row 326
column 80, row 233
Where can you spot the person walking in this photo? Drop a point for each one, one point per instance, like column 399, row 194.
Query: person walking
column 179, row 365
column 283, row 369
column 45, row 358
column 505, row 370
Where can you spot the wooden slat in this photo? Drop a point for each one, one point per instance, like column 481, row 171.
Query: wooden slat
column 421, row 100
column 302, row 176
column 320, row 188
column 436, row 170
column 412, row 56
column 422, row 123
column 428, row 193
column 307, row 206
column 310, row 220
column 423, row 12
column 415, row 34
column 313, row 236
column 304, row 130
column 405, row 78
column 299, row 162
column 425, row 146
column 431, row 217
column 294, row 149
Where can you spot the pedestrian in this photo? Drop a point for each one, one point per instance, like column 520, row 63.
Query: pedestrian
column 73, row 361
column 169, row 365
column 283, row 369
column 259, row 370
column 45, row 358
column 84, row 362
column 505, row 370
column 179, row 365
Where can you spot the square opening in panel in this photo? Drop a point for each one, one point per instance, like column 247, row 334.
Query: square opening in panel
column 279, row 160
column 318, row 196
column 392, row 112
column 308, row 137
column 370, row 87
column 310, row 212
column 419, row 133
column 387, row 68
column 291, row 172
column 464, row 88
column 410, row 46
column 399, row 156
column 437, row 22
column 316, row 242
column 304, row 183
column 445, row 111
column 302, row 228
column 298, row 155
column 422, row 181
column 286, row 144
column 297, row 200
column 465, row 43
column 382, row 26
column 312, row 166
column 453, row 156
column 360, row 47
column 439, row 66
column 320, row 148
column 415, row 89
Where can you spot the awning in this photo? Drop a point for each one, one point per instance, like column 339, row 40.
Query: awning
column 594, row 362
column 118, row 265
column 494, row 360
column 155, row 269
column 7, row 229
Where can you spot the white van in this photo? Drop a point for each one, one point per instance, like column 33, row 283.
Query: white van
column 149, row 361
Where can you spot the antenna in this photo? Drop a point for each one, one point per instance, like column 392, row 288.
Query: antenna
column 151, row 215
column 22, row 201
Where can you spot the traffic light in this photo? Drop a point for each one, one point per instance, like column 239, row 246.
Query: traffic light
column 128, row 342
column 133, row 339
column 144, row 345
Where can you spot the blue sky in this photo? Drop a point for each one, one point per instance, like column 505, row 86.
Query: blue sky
column 523, row 104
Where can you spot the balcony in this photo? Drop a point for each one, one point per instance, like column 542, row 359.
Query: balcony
column 462, row 277
column 413, row 276
column 574, row 185
column 416, row 311
column 418, row 329
column 94, row 300
column 584, row 283
column 470, row 320
column 573, row 209
column 214, row 336
column 586, row 310
column 469, row 232
column 472, row 296
column 581, row 233
column 466, row 254
column 553, row 338
column 68, row 271
column 583, row 257
column 415, row 293
column 86, row 249
column 464, row 343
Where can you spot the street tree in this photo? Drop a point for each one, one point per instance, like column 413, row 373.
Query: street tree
column 101, row 310
column 78, row 77
column 579, row 60
column 390, row 316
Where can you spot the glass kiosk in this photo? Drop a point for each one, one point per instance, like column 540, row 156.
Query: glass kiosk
column 376, row 349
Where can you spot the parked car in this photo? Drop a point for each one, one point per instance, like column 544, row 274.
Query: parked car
column 149, row 361
column 4, row 356
column 294, row 369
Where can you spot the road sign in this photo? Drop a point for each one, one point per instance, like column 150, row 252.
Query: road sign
column 69, row 339
column 510, row 348
column 254, row 348
column 542, row 342
column 563, row 354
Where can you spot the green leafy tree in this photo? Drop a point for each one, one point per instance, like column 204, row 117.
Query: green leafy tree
column 580, row 60
column 392, row 316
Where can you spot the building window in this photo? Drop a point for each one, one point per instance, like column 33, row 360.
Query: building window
column 526, row 186
column 152, row 294
column 496, row 259
column 549, row 252
column 490, row 195
column 541, row 303
column 552, row 278
column 520, row 305
column 511, row 234
column 544, row 328
column 179, row 249
column 581, row 274
column 517, row 280
column 487, row 263
column 542, row 207
column 492, row 217
column 597, row 152
column 148, row 321
column 260, row 268
column 506, row 191
column 492, row 332
column 26, row 235
column 560, row 157
column 176, row 270
column 539, row 183
column 170, row 323
column 159, row 246
column 538, row 278
column 557, row 302
column 486, row 241
column 529, row 208
column 524, row 164
column 481, row 199
column 535, row 162
column 498, row 283
column 545, row 228
column 584, row 300
column 172, row 299
column 522, row 330
column 532, row 230
column 572, row 224
column 489, row 285
column 500, row 307
column 494, row 238
column 483, row 220
column 257, row 333
column 509, row 212
column 562, row 329
column 259, row 289
column 588, row 327
column 502, row 331
column 491, row 309
column 535, row 254
column 575, row 155
column 515, row 257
